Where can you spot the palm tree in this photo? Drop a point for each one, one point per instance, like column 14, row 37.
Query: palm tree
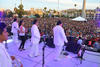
column 45, row 8
column 54, row 11
column 75, row 5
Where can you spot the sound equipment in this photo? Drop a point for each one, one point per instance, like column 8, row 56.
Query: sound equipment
column 49, row 42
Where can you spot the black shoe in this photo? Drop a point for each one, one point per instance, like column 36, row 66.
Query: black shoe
column 65, row 54
column 20, row 49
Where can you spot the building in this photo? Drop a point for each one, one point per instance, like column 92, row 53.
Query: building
column 90, row 14
column 97, row 14
column 32, row 12
column 78, row 12
column 39, row 11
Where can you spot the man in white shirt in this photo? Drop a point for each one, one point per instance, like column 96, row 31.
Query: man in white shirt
column 14, row 30
column 80, row 41
column 59, row 38
column 80, row 48
column 35, row 38
column 5, row 59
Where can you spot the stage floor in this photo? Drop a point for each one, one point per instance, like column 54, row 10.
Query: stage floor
column 92, row 59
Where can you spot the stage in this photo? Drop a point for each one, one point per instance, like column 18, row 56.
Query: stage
column 92, row 59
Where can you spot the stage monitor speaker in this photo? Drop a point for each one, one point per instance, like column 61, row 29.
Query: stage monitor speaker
column 49, row 42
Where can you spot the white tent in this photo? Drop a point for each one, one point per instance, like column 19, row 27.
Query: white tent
column 79, row 19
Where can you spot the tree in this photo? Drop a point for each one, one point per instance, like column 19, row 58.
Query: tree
column 19, row 11
column 49, row 11
column 25, row 12
column 75, row 5
column 79, row 12
column 65, row 11
column 45, row 12
column 10, row 14
column 45, row 8
column 54, row 11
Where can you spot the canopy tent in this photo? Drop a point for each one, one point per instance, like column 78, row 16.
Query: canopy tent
column 79, row 19
column 31, row 16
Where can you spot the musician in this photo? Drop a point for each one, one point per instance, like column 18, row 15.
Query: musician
column 80, row 47
column 35, row 38
column 22, row 35
column 14, row 30
column 59, row 39
column 5, row 59
column 80, row 41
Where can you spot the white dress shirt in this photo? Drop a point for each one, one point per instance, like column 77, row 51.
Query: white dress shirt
column 5, row 60
column 35, row 34
column 79, row 41
column 59, row 36
column 15, row 27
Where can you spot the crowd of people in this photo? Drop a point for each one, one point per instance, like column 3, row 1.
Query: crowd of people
column 86, row 30
column 72, row 28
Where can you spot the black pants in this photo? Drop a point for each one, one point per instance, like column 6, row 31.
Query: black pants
column 23, row 39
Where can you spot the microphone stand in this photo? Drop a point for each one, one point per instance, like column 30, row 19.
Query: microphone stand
column 43, row 57
column 43, row 49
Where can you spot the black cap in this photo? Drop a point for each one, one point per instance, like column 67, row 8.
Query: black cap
column 34, row 22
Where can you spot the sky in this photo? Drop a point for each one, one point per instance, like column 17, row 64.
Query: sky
column 50, row 4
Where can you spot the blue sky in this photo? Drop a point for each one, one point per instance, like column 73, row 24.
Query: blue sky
column 52, row 4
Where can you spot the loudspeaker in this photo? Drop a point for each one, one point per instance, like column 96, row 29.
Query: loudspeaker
column 49, row 42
